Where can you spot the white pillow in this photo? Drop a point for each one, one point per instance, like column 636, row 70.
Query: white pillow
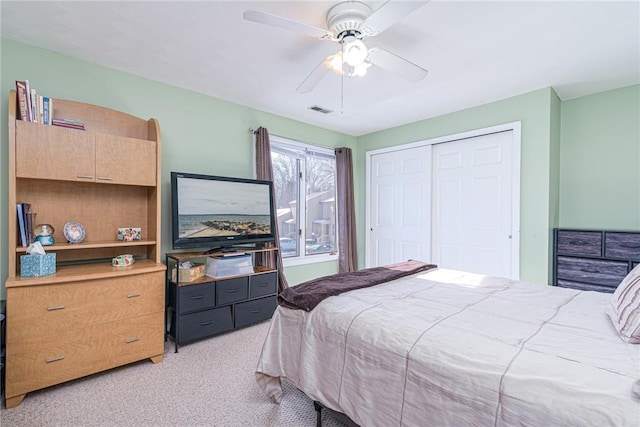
column 624, row 309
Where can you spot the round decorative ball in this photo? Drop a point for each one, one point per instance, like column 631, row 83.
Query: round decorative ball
column 44, row 234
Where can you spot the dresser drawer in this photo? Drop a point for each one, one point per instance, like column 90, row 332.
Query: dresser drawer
column 262, row 284
column 581, row 243
column 231, row 290
column 203, row 324
column 49, row 310
column 39, row 362
column 255, row 311
column 586, row 286
column 622, row 245
column 584, row 270
column 196, row 297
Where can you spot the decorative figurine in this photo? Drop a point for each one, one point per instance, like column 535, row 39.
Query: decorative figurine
column 45, row 234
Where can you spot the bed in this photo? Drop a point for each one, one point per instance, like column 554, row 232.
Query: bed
column 450, row 348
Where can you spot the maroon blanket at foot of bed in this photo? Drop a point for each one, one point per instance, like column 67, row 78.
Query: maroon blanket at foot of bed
column 307, row 295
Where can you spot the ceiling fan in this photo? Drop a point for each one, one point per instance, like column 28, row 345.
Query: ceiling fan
column 349, row 23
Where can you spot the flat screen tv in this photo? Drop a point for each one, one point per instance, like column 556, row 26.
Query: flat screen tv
column 214, row 212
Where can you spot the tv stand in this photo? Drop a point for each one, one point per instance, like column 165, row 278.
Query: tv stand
column 200, row 306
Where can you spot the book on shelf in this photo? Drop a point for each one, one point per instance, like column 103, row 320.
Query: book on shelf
column 34, row 106
column 40, row 109
column 46, row 110
column 24, row 215
column 68, row 123
column 21, row 92
column 29, row 218
column 28, row 90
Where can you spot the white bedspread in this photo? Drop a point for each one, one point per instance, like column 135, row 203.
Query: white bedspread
column 447, row 348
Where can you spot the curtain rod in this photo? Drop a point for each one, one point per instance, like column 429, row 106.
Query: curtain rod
column 255, row 131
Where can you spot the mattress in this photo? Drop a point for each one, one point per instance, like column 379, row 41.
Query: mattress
column 450, row 348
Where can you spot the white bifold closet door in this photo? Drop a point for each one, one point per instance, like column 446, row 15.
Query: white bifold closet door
column 399, row 206
column 472, row 204
column 454, row 203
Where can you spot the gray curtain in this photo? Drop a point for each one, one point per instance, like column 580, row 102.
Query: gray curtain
column 264, row 171
column 347, row 244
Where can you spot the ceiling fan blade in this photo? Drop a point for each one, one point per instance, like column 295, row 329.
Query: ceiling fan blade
column 313, row 79
column 285, row 23
column 396, row 65
column 388, row 14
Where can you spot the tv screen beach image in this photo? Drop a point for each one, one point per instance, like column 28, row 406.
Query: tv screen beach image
column 222, row 208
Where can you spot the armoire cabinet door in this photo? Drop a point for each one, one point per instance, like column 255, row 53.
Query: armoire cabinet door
column 121, row 160
column 50, row 152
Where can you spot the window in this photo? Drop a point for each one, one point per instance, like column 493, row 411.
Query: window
column 304, row 182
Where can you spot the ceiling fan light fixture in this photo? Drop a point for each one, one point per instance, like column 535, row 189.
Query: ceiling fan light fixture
column 334, row 63
column 355, row 52
column 360, row 70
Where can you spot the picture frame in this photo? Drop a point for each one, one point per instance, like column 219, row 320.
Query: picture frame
column 129, row 234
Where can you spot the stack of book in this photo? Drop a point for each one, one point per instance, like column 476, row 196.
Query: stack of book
column 68, row 123
column 25, row 223
column 229, row 265
column 31, row 106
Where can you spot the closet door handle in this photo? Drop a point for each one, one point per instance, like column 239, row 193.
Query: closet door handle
column 57, row 307
column 133, row 295
column 132, row 340
column 54, row 359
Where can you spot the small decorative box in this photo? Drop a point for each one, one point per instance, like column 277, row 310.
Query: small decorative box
column 37, row 265
column 191, row 274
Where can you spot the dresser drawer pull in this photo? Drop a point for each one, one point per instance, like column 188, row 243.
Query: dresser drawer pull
column 54, row 359
column 256, row 311
column 85, row 176
column 57, row 307
column 232, row 291
column 578, row 242
column 105, row 178
column 198, row 297
column 206, row 323
column 132, row 340
column 262, row 285
column 133, row 295
column 630, row 245
column 590, row 270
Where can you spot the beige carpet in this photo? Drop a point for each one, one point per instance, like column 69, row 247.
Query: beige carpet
column 208, row 383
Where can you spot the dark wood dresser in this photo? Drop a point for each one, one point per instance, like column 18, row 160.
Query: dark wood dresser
column 593, row 260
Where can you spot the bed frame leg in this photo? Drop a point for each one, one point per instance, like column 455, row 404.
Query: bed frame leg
column 318, row 408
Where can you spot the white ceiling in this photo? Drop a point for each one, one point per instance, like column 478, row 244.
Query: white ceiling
column 476, row 52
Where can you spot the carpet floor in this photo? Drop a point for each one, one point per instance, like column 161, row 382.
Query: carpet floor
column 208, row 383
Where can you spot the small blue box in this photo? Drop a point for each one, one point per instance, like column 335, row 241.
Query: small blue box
column 37, row 265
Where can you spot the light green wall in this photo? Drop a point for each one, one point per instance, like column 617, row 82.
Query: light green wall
column 200, row 134
column 534, row 111
column 600, row 161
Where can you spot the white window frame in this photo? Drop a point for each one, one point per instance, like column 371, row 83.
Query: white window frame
column 301, row 147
